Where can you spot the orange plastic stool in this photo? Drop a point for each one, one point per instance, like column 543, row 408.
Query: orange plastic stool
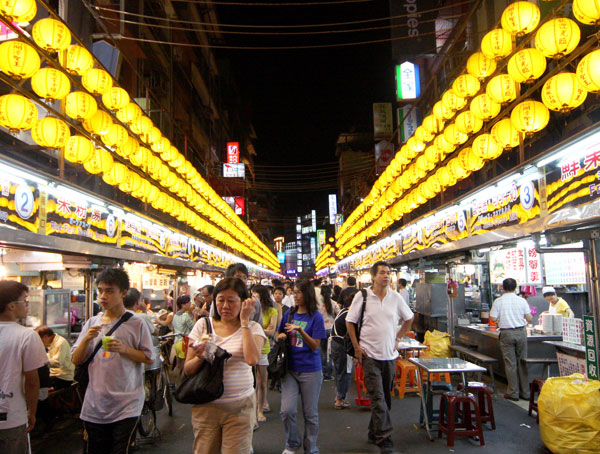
column 360, row 387
column 405, row 374
column 445, row 377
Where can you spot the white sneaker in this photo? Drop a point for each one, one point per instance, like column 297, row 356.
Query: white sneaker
column 287, row 451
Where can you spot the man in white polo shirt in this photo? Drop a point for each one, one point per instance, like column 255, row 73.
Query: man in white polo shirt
column 512, row 314
column 386, row 317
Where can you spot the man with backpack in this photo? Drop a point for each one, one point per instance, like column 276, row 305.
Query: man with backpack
column 373, row 323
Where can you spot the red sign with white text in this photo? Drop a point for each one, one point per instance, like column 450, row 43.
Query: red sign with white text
column 233, row 153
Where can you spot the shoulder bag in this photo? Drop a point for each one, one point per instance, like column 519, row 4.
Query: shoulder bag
column 349, row 346
column 278, row 357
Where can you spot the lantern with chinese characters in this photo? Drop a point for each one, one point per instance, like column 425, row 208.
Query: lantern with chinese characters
column 18, row 60
column 18, row 10
column 466, row 85
column 423, row 165
column 454, row 136
column 452, row 101
column 442, row 146
column 486, row 147
column 77, row 60
column 433, row 184
column 131, row 182
column 520, row 18
column 588, row 71
column 153, row 136
column 398, row 210
column 457, row 170
column 425, row 191
column 97, row 81
column 116, row 98
column 162, row 145
column 50, row 132
column 563, row 92
column 17, row 113
column 99, row 123
column 587, row 11
column 141, row 125
column 50, row 84
column 484, row 108
column 115, row 136
column 445, row 178
column 505, row 134
column 80, row 105
column 469, row 160
column 141, row 190
column 502, row 89
column 480, row 66
column 423, row 135
column 51, row 35
column 526, row 65
column 78, row 149
column 129, row 113
column 467, row 123
column 497, row 44
column 100, row 161
column 153, row 167
column 557, row 37
column 140, row 157
column 115, row 175
column 441, row 112
column 129, row 146
column 530, row 117
column 432, row 124
column 414, row 146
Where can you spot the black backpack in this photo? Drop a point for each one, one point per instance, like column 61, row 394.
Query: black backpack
column 348, row 342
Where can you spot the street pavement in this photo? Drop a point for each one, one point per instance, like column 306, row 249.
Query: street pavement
column 340, row 431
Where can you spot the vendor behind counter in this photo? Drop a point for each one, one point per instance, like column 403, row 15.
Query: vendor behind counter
column 557, row 305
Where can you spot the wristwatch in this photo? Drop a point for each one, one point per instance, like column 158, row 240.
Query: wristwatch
column 246, row 326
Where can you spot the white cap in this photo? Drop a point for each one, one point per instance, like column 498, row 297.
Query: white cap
column 546, row 290
column 265, row 282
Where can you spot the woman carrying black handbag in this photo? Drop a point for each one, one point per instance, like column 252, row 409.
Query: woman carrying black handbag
column 225, row 424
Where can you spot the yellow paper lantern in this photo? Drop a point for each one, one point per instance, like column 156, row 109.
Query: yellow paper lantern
column 139, row 157
column 480, row 66
column 486, row 147
column 526, row 65
column 131, row 182
column 18, row 60
column 152, row 136
column 115, row 135
column 530, row 117
column 432, row 124
column 433, row 154
column 115, row 175
column 129, row 146
column 467, row 123
column 78, row 149
column 115, row 98
column 50, row 84
column 466, row 85
column 557, row 37
column 77, row 60
column 520, row 18
column 457, row 170
column 99, row 123
column 469, row 160
column 50, row 132
column 153, row 167
column 414, row 146
column 129, row 113
column 484, row 108
column 423, row 165
column 17, row 113
column 433, row 184
column 97, row 81
column 454, row 136
column 442, row 113
column 425, row 191
column 80, row 105
column 445, row 178
column 587, row 11
column 442, row 146
column 162, row 145
column 563, row 92
column 141, row 125
column 51, row 35
column 423, row 135
column 505, row 134
column 502, row 89
column 497, row 44
column 100, row 161
column 18, row 10
column 452, row 101
column 588, row 71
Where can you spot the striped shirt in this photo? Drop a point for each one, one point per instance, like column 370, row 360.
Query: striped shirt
column 238, row 381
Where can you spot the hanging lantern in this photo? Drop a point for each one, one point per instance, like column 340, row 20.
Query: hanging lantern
column 77, row 60
column 50, row 132
column 452, row 101
column 131, row 182
column 469, row 160
column 115, row 175
column 520, row 18
column 100, row 161
column 442, row 146
column 557, row 37
column 467, row 123
column 587, row 11
column 433, row 154
column 526, row 65
column 445, row 178
column 164, row 144
column 433, row 184
column 18, row 60
column 563, row 92
column 152, row 136
column 505, row 134
column 466, row 85
column 441, row 112
column 140, row 157
column 423, row 135
column 140, row 192
column 414, row 146
column 497, row 44
column 128, row 147
column 588, row 71
column 116, row 135
column 153, row 167
column 141, row 125
column 18, row 10
column 116, row 98
column 432, row 124
column 502, row 89
column 129, row 113
column 454, row 136
column 457, row 170
column 80, row 105
column 50, row 84
column 486, row 147
column 480, row 66
column 97, row 81
column 17, row 113
column 425, row 191
column 51, row 35
column 78, row 149
column 99, row 123
column 530, row 117
column 484, row 108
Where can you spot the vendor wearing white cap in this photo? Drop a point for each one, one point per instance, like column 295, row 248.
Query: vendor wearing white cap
column 557, row 305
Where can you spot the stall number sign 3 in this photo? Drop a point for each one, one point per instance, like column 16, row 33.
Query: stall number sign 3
column 591, row 352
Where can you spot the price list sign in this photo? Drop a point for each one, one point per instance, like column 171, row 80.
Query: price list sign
column 591, row 352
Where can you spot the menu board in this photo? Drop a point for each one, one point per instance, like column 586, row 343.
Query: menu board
column 141, row 236
column 507, row 263
column 565, row 268
column 19, row 204
column 443, row 229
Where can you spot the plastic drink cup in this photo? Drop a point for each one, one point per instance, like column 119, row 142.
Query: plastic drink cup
column 105, row 341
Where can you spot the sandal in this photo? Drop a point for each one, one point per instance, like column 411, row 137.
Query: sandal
column 261, row 418
column 346, row 404
column 266, row 408
column 339, row 404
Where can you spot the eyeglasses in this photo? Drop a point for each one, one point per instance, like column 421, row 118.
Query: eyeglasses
column 25, row 302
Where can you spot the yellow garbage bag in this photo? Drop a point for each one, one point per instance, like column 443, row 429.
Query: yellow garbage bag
column 569, row 409
column 178, row 347
column 439, row 344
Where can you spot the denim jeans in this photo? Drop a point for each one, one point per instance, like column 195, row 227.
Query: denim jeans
column 340, row 364
column 379, row 379
column 308, row 386
column 326, row 362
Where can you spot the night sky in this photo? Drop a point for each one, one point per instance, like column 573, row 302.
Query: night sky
column 300, row 100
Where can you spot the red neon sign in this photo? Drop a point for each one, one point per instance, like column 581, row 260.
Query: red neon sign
column 233, row 152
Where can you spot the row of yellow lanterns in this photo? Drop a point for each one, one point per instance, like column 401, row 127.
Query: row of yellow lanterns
column 561, row 92
column 325, row 257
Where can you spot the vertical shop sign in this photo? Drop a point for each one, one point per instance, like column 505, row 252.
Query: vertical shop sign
column 591, row 352
column 382, row 120
column 408, row 120
column 332, row 208
column 233, row 153
column 534, row 266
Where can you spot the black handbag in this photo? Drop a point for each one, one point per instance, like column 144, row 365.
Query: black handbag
column 278, row 358
column 348, row 342
column 205, row 385
column 82, row 375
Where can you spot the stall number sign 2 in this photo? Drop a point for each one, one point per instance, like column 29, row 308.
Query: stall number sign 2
column 591, row 352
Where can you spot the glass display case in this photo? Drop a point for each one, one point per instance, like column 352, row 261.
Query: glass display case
column 51, row 308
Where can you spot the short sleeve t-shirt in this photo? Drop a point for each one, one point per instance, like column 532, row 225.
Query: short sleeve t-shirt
column 116, row 387
column 510, row 310
column 21, row 350
column 267, row 316
column 302, row 358
column 182, row 324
